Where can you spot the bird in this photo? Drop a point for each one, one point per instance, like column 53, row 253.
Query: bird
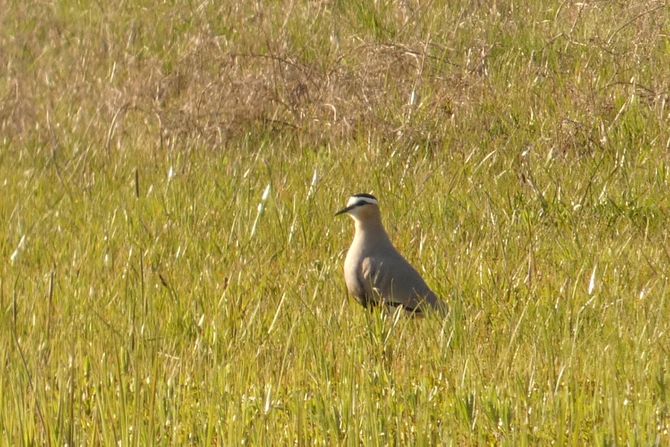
column 374, row 271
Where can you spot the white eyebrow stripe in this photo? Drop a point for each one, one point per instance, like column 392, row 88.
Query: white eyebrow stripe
column 356, row 199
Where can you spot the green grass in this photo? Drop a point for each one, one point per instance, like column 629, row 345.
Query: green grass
column 529, row 184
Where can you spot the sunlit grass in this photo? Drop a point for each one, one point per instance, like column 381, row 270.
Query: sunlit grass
column 172, row 271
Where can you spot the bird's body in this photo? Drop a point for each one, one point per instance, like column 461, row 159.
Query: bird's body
column 374, row 271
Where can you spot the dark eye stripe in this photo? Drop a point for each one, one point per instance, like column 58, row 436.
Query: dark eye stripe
column 361, row 203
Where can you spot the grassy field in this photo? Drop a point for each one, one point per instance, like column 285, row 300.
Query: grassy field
column 171, row 270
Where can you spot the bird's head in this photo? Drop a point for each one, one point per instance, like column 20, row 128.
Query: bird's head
column 361, row 207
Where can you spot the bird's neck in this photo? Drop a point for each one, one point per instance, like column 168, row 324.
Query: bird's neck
column 372, row 230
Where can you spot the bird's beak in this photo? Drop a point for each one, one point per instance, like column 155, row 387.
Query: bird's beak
column 345, row 210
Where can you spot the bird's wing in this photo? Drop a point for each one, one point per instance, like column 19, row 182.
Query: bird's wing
column 364, row 292
column 397, row 282
column 369, row 275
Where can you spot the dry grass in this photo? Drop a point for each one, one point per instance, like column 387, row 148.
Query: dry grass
column 520, row 152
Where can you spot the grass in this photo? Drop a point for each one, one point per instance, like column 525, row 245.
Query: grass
column 151, row 293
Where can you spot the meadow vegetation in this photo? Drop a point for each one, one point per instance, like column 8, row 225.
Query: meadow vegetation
column 171, row 270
